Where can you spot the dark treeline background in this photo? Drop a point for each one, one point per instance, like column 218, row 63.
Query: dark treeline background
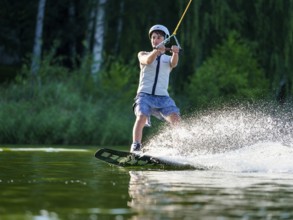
column 78, row 84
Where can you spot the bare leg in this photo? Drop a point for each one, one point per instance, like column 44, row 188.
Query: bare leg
column 138, row 128
column 173, row 119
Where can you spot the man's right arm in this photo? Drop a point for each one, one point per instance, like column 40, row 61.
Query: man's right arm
column 148, row 57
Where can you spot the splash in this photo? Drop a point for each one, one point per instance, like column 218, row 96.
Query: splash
column 225, row 131
column 267, row 157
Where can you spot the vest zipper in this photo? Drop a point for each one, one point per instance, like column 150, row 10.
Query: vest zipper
column 157, row 75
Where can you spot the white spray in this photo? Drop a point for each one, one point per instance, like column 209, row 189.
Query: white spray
column 243, row 138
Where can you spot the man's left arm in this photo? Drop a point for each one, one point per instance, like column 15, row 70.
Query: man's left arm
column 175, row 56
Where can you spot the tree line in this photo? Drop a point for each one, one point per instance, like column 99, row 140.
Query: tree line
column 239, row 50
column 124, row 25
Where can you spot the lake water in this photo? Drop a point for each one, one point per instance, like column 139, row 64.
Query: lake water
column 50, row 184
column 248, row 175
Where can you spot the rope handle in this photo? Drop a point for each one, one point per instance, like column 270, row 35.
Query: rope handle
column 170, row 50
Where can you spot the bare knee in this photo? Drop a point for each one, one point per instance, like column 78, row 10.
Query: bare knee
column 173, row 118
column 141, row 120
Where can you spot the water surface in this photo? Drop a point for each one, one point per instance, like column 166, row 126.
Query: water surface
column 71, row 184
column 60, row 184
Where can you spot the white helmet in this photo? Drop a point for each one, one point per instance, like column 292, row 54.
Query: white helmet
column 159, row 27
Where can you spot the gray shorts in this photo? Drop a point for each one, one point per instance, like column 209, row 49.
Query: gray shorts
column 158, row 106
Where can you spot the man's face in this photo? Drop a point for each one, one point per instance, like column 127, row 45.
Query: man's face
column 156, row 38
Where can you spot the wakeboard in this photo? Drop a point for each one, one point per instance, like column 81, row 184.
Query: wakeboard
column 128, row 159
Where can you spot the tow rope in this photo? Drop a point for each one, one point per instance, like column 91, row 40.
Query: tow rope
column 175, row 31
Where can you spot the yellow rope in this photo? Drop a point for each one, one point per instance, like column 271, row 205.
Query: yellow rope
column 174, row 33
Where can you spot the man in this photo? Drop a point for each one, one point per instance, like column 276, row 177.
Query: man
column 152, row 94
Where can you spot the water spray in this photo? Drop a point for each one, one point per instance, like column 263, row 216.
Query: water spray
column 224, row 130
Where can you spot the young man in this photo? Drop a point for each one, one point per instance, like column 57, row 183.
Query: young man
column 152, row 94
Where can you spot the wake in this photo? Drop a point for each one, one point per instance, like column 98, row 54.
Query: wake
column 247, row 139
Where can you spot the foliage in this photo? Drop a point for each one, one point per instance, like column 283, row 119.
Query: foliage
column 230, row 73
column 65, row 105
column 206, row 24
column 68, row 109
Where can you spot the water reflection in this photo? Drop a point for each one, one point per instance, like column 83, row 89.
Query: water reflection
column 74, row 185
column 48, row 184
column 45, row 215
column 210, row 195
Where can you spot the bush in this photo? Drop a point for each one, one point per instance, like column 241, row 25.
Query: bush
column 68, row 107
column 231, row 73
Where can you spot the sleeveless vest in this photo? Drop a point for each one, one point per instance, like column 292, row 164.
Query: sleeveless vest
column 154, row 78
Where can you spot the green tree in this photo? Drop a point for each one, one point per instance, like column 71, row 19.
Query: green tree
column 230, row 73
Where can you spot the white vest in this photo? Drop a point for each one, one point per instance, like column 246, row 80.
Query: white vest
column 155, row 82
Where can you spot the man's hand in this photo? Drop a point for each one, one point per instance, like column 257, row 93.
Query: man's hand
column 175, row 49
column 161, row 49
